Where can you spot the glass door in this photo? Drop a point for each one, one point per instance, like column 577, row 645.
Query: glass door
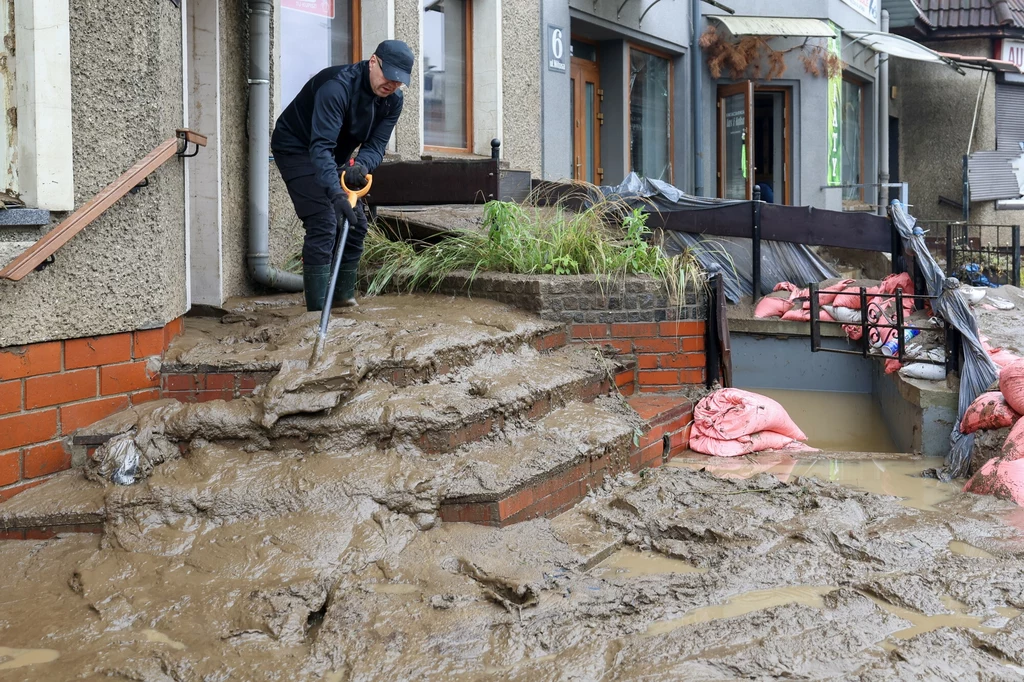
column 586, row 121
column 735, row 140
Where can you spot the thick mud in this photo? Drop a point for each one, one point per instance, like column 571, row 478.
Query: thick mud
column 308, row 546
column 750, row 577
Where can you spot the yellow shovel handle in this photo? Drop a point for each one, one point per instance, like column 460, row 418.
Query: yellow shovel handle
column 353, row 195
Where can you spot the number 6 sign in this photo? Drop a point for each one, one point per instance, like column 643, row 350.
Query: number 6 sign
column 556, row 48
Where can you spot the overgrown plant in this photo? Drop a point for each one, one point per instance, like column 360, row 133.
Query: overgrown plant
column 608, row 240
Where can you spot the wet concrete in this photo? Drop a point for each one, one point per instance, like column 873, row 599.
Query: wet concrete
column 311, row 549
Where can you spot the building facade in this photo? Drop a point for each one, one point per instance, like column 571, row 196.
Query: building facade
column 941, row 116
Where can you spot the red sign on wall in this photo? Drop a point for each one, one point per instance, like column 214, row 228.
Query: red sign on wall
column 321, row 8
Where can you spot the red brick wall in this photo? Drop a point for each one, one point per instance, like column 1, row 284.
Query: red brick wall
column 669, row 355
column 50, row 389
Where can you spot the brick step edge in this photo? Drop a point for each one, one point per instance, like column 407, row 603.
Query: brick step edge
column 563, row 488
column 47, row 532
column 201, row 383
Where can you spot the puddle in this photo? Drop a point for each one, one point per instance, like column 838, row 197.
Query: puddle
column 957, row 619
column 963, row 549
column 629, row 563
column 835, row 421
column 395, row 588
column 758, row 600
column 20, row 658
column 160, row 638
column 745, row 603
column 886, row 477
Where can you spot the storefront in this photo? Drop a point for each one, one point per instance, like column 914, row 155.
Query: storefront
column 789, row 104
column 618, row 89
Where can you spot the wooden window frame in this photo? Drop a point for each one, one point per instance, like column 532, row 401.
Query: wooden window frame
column 357, row 31
column 468, row 41
column 671, row 106
column 861, row 84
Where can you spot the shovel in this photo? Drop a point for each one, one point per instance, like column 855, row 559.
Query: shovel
column 339, row 249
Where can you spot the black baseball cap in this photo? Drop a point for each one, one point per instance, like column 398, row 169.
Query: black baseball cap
column 395, row 60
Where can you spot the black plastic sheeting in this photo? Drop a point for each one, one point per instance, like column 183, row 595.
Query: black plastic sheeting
column 780, row 261
column 978, row 371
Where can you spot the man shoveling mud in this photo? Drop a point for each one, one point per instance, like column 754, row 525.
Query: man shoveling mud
column 339, row 109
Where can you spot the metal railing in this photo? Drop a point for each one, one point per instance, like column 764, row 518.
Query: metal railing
column 983, row 254
column 951, row 341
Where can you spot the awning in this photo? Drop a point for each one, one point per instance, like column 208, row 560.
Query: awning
column 897, row 46
column 795, row 27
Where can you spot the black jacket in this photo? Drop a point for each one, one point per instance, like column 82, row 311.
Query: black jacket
column 335, row 112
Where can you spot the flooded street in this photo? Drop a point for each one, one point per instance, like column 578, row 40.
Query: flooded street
column 286, row 540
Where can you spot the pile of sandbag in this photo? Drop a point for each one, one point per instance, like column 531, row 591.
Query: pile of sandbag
column 730, row 422
column 1001, row 476
column 841, row 302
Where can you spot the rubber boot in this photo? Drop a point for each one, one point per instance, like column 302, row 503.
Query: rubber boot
column 345, row 289
column 315, row 280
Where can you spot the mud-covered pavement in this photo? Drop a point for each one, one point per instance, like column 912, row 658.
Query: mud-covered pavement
column 362, row 593
column 309, row 546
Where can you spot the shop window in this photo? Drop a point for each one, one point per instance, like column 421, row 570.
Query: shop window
column 852, row 141
column 316, row 34
column 447, row 65
column 650, row 115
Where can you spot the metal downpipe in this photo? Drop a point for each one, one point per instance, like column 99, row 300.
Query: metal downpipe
column 696, row 98
column 259, row 154
column 883, row 123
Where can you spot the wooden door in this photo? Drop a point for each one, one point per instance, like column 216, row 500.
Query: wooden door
column 736, row 140
column 586, row 121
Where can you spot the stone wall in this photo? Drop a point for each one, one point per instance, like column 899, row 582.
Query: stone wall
column 635, row 316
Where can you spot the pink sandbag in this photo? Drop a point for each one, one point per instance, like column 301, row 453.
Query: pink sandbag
column 1013, row 446
column 745, row 445
column 729, row 413
column 833, row 292
column 772, row 306
column 999, row 477
column 988, row 411
column 1011, row 385
column 1000, row 356
column 799, row 314
column 850, row 298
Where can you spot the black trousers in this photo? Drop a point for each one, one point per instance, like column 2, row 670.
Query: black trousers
column 314, row 208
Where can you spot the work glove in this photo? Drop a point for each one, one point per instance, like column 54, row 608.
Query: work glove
column 344, row 211
column 355, row 175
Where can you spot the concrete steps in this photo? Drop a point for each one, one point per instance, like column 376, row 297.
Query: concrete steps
column 65, row 503
column 486, row 417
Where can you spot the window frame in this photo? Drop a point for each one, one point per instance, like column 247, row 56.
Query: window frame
column 468, row 95
column 671, row 103
column 861, row 85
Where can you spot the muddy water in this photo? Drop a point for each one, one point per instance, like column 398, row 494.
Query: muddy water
column 898, row 477
column 745, row 603
column 630, row 563
column 835, row 422
column 20, row 658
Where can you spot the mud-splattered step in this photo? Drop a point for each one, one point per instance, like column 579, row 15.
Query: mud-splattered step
column 398, row 339
column 66, row 503
column 543, row 472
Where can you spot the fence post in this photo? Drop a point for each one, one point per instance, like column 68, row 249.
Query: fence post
column 1015, row 233
column 755, row 244
column 712, row 354
column 895, row 247
column 815, row 318
column 950, row 266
